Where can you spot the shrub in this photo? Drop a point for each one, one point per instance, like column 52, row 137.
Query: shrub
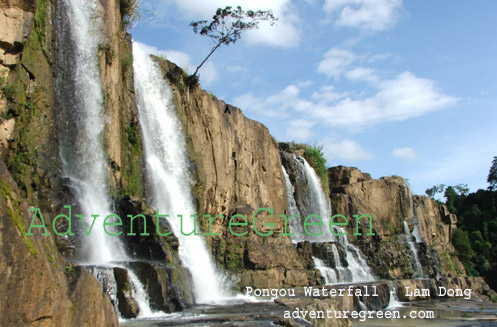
column 315, row 157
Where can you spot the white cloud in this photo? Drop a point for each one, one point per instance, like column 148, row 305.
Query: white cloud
column 404, row 97
column 404, row 153
column 208, row 72
column 401, row 98
column 286, row 32
column 367, row 15
column 299, row 130
column 362, row 74
column 277, row 105
column 345, row 149
column 335, row 62
column 328, row 94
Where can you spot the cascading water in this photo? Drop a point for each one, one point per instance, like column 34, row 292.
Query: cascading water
column 295, row 226
column 410, row 240
column 315, row 203
column 79, row 95
column 167, row 172
column 81, row 121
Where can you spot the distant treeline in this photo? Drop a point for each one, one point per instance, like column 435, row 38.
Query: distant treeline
column 476, row 237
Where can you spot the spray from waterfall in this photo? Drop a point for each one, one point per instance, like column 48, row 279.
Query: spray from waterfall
column 167, row 172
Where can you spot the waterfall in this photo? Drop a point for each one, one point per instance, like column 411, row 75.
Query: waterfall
column 295, row 226
column 410, row 240
column 315, row 202
column 81, row 122
column 329, row 274
column 167, row 172
column 393, row 299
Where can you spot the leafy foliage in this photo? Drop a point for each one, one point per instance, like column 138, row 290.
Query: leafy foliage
column 492, row 175
column 315, row 157
column 228, row 24
column 433, row 191
column 476, row 237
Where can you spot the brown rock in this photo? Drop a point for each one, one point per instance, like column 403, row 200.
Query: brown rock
column 39, row 288
column 238, row 170
column 389, row 202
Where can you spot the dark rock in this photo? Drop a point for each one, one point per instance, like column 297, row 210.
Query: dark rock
column 128, row 307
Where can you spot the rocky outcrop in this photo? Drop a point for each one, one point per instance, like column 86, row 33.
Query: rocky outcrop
column 39, row 287
column 42, row 288
column 156, row 261
column 393, row 208
column 238, row 170
column 121, row 135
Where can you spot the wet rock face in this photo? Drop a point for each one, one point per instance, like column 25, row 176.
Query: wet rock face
column 391, row 205
column 155, row 258
column 127, row 305
column 237, row 169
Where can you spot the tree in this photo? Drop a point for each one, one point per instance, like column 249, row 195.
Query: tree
column 462, row 189
column 431, row 192
column 228, row 24
column 492, row 175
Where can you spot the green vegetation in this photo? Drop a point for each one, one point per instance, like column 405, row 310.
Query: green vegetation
column 129, row 10
column 127, row 63
column 132, row 170
column 15, row 214
column 315, row 157
column 433, row 191
column 475, row 240
column 492, row 175
column 275, row 142
column 8, row 90
column 131, row 13
column 226, row 28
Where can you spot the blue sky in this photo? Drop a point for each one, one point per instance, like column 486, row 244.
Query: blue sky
column 389, row 86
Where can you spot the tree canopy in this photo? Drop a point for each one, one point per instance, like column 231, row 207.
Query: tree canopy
column 475, row 240
column 492, row 175
column 228, row 24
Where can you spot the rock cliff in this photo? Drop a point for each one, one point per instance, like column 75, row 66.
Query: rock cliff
column 399, row 218
column 238, row 170
column 41, row 288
